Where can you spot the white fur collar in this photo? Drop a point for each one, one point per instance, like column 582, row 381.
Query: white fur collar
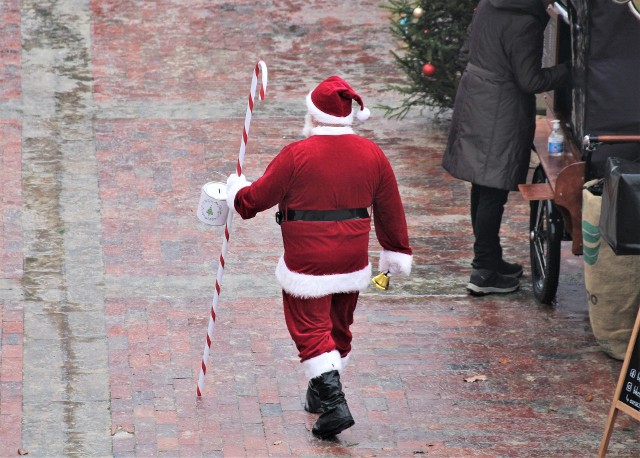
column 331, row 130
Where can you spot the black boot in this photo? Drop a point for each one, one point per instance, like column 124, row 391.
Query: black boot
column 313, row 402
column 335, row 416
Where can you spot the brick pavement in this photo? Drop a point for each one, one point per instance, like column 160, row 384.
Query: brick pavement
column 123, row 304
column 11, row 318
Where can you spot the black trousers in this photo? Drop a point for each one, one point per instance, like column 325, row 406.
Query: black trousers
column 487, row 207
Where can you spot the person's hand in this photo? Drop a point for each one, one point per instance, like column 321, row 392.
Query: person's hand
column 234, row 184
column 233, row 179
column 395, row 263
column 551, row 10
column 395, row 268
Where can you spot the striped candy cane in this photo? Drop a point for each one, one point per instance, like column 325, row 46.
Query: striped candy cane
column 260, row 68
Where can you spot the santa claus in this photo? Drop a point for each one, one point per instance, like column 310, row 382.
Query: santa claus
column 325, row 187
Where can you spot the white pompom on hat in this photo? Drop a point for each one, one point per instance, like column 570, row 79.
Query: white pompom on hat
column 331, row 102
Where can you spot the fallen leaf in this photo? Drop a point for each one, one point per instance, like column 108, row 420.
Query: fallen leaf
column 552, row 409
column 476, row 378
column 529, row 378
column 588, row 398
column 277, row 443
column 504, row 360
column 22, row 451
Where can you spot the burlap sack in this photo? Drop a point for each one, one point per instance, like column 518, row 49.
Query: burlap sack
column 612, row 283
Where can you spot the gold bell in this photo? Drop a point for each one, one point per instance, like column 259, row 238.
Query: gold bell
column 381, row 281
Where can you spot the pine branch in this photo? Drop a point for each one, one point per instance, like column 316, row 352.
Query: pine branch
column 434, row 37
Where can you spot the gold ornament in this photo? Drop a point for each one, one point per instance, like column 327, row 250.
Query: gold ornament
column 381, row 281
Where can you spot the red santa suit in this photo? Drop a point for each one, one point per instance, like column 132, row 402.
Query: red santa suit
column 325, row 262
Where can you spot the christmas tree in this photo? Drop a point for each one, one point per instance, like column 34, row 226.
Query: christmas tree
column 431, row 33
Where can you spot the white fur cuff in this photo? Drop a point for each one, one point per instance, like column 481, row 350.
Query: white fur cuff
column 320, row 364
column 395, row 263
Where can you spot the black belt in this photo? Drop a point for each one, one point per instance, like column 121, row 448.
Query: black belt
column 323, row 215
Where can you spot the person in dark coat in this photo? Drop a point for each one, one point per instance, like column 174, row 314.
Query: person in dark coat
column 493, row 123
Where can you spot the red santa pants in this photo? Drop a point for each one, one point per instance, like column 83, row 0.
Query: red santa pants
column 320, row 325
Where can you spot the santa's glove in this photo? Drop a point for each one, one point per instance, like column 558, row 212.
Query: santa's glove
column 395, row 263
column 234, row 184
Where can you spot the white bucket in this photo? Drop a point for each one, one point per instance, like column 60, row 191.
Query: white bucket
column 213, row 208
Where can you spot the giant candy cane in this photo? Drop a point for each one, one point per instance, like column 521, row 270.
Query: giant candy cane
column 260, row 68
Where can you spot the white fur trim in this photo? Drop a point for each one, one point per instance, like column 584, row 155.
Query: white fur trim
column 321, row 116
column 303, row 285
column 395, row 263
column 331, row 130
column 345, row 361
column 234, row 184
column 320, row 364
column 363, row 114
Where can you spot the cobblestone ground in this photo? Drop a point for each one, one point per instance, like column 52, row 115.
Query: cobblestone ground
column 113, row 114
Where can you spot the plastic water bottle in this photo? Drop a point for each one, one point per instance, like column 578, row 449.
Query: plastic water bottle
column 556, row 140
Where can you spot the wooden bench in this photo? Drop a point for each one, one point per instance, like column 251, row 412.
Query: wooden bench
column 565, row 180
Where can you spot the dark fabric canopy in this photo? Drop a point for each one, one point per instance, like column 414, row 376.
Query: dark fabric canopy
column 612, row 99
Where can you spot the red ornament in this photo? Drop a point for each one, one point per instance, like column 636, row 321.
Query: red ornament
column 428, row 69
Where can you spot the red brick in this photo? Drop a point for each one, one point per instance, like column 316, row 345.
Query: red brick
column 120, row 391
column 12, row 351
column 167, row 443
column 11, row 370
column 166, row 417
column 13, row 327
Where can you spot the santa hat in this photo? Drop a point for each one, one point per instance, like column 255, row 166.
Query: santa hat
column 331, row 102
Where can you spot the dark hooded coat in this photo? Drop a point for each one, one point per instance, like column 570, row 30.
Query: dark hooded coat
column 493, row 122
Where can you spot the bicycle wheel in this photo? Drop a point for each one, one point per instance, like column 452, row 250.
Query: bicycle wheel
column 545, row 237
